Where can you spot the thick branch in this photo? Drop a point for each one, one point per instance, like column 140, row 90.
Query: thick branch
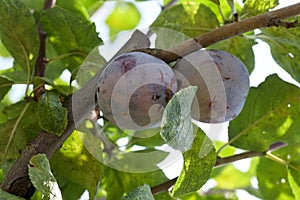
column 227, row 31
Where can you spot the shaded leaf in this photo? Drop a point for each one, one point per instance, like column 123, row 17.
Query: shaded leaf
column 5, row 86
column 74, row 165
column 52, row 114
column 285, row 48
column 176, row 124
column 267, row 116
column 125, row 16
column 18, row 32
column 70, row 34
column 239, row 46
column 198, row 164
column 75, row 7
column 42, row 178
column 19, row 129
column 141, row 193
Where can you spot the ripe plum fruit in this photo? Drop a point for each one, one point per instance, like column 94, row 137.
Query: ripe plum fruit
column 133, row 90
column 222, row 80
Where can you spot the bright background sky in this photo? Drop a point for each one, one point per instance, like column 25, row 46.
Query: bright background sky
column 265, row 65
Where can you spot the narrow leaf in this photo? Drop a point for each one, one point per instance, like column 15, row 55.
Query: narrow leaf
column 269, row 115
column 18, row 32
column 176, row 125
column 5, row 86
column 295, row 186
column 141, row 193
column 52, row 114
column 198, row 164
column 42, row 178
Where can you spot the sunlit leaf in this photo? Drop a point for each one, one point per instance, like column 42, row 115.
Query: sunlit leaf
column 256, row 7
column 52, row 114
column 267, row 116
column 198, row 164
column 141, row 193
column 42, row 178
column 18, row 32
column 176, row 125
column 125, row 16
column 72, row 163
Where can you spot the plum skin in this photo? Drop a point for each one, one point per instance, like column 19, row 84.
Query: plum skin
column 133, row 90
column 222, row 80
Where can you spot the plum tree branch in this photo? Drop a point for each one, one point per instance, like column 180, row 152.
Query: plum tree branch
column 41, row 62
column 17, row 180
column 222, row 161
column 273, row 18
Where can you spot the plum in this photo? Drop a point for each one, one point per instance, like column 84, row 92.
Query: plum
column 133, row 90
column 222, row 80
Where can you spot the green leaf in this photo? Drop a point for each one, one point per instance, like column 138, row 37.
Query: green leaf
column 205, row 21
column 107, row 152
column 267, row 116
column 3, row 51
column 52, row 114
column 141, row 193
column 198, row 164
column 176, row 124
column 18, row 32
column 42, row 178
column 256, row 7
column 175, row 18
column 239, row 46
column 5, row 86
column 75, row 7
column 230, row 178
column 294, row 183
column 116, row 183
column 19, row 129
column 285, row 47
column 7, row 196
column 272, row 180
column 73, row 164
column 71, row 35
column 125, row 16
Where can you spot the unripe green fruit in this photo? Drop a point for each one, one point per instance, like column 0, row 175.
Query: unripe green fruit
column 222, row 80
column 133, row 90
